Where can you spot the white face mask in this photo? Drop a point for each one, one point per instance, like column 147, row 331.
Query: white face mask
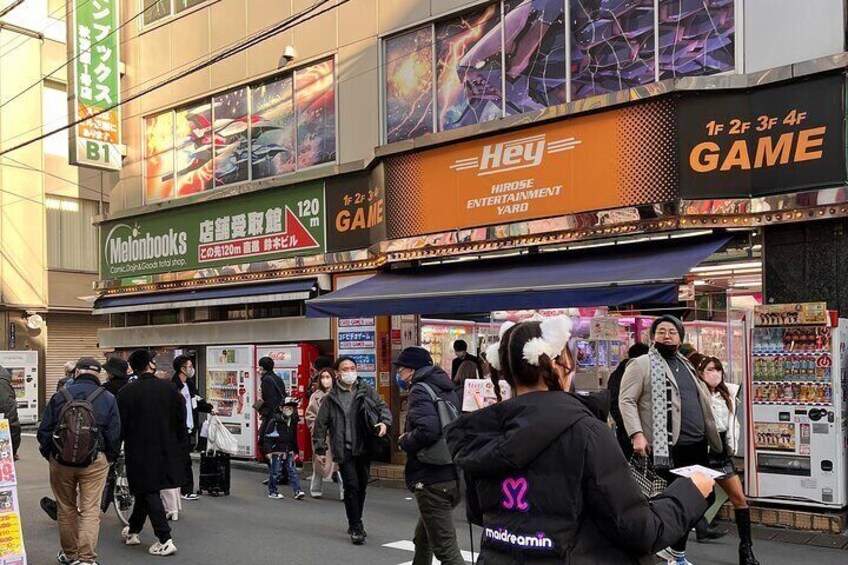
column 190, row 373
column 287, row 412
column 349, row 378
column 327, row 383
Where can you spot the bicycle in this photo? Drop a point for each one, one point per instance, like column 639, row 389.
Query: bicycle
column 122, row 499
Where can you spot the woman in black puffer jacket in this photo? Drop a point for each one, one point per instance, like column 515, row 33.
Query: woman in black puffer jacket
column 547, row 481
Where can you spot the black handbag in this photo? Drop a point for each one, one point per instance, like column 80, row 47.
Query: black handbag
column 643, row 472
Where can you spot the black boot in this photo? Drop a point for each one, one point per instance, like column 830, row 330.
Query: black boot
column 746, row 545
column 704, row 533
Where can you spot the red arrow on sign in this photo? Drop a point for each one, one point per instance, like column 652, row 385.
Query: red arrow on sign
column 295, row 238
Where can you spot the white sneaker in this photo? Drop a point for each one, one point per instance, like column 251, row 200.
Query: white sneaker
column 276, row 496
column 130, row 539
column 315, row 494
column 664, row 554
column 674, row 561
column 173, row 516
column 163, row 549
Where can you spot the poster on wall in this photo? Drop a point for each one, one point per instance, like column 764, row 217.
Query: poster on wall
column 770, row 140
column 696, row 38
column 603, row 160
column 271, row 224
column 95, row 78
column 12, row 551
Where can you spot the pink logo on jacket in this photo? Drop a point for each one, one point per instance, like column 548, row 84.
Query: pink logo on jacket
column 515, row 492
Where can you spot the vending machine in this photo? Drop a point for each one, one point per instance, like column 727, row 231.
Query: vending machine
column 293, row 363
column 230, row 387
column 796, row 406
column 23, row 365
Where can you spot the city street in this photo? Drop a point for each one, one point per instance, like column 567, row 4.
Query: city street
column 247, row 527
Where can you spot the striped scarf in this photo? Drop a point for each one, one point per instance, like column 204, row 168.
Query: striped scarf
column 661, row 403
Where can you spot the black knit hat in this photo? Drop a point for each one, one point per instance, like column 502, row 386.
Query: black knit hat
column 139, row 360
column 414, row 358
column 671, row 320
column 116, row 367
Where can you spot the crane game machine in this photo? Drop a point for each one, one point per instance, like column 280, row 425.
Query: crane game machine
column 796, row 406
column 293, row 363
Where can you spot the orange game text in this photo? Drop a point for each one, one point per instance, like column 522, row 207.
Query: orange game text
column 766, row 151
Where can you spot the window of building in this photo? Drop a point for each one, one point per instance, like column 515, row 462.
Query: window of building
column 71, row 238
column 271, row 128
column 54, row 114
column 509, row 57
column 158, row 10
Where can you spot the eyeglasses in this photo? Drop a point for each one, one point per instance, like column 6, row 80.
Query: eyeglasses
column 667, row 333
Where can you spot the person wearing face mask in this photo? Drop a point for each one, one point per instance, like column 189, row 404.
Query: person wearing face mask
column 532, row 507
column 723, row 399
column 280, row 447
column 324, row 382
column 184, row 380
column 432, row 480
column 347, row 414
column 153, row 429
column 667, row 411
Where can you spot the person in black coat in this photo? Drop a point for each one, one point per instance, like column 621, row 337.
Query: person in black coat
column 548, row 483
column 614, row 388
column 194, row 405
column 280, row 445
column 460, row 348
column 353, row 414
column 436, row 486
column 273, row 391
column 117, row 371
column 153, row 428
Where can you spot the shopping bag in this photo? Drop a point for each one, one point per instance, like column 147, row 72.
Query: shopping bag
column 220, row 438
column 204, row 429
column 650, row 483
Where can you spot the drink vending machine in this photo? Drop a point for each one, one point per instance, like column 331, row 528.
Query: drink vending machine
column 796, row 406
column 23, row 365
column 230, row 386
column 293, row 363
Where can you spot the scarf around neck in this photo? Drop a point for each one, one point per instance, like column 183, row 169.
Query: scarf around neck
column 661, row 404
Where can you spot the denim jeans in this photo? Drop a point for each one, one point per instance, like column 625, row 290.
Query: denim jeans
column 277, row 462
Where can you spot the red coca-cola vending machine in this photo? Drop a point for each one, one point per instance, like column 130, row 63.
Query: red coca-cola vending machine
column 293, row 363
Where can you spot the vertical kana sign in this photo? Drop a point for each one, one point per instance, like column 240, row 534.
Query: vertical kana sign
column 95, row 142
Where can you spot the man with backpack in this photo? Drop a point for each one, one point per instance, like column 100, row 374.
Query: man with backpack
column 80, row 433
column 430, row 472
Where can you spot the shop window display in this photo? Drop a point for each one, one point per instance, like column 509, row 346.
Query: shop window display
column 271, row 128
column 509, row 57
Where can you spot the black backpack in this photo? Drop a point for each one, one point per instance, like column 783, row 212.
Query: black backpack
column 438, row 453
column 76, row 438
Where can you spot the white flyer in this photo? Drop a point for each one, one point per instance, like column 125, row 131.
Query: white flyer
column 692, row 469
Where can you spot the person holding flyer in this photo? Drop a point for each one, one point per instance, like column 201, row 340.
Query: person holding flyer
column 724, row 406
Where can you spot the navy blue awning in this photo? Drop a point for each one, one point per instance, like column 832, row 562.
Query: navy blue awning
column 630, row 274
column 221, row 296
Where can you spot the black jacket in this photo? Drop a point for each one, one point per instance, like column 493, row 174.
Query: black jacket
column 423, row 427
column 201, row 407
column 153, row 429
column 468, row 357
column 273, row 393
column 105, row 412
column 9, row 407
column 116, row 383
column 553, row 487
column 286, row 440
column 332, row 419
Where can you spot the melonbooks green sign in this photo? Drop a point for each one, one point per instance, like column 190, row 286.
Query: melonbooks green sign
column 272, row 224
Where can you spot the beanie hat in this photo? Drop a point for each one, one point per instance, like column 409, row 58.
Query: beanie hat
column 414, row 358
column 671, row 320
column 267, row 364
column 139, row 360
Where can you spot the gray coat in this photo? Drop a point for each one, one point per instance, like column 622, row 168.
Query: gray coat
column 636, row 407
column 332, row 419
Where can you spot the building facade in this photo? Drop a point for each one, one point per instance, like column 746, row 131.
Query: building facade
column 49, row 260
column 332, row 141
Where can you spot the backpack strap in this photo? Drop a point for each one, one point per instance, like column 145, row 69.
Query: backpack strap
column 95, row 394
column 430, row 391
column 67, row 396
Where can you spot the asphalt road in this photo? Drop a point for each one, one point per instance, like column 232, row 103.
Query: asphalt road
column 248, row 528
